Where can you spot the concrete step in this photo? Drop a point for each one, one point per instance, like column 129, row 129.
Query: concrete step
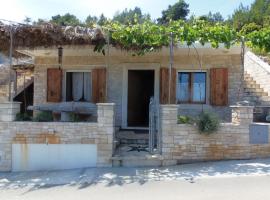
column 250, row 85
column 249, row 93
column 264, row 98
column 253, row 90
column 132, row 137
column 127, row 156
column 136, row 162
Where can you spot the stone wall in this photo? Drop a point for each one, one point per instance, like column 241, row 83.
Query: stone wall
column 8, row 111
column 183, row 143
column 120, row 60
column 259, row 70
column 100, row 133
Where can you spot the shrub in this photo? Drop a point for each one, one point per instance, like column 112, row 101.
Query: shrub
column 208, row 122
column 74, row 117
column 182, row 119
column 23, row 117
column 43, row 116
column 249, row 28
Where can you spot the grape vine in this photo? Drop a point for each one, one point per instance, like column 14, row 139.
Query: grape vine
column 148, row 36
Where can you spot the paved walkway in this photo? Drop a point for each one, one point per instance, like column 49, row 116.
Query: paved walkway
column 193, row 179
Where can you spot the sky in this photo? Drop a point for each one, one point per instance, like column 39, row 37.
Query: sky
column 17, row 10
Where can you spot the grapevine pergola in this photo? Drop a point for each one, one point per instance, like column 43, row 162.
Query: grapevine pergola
column 138, row 38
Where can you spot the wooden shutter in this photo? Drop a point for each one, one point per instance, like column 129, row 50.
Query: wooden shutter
column 54, row 85
column 219, row 86
column 164, row 86
column 99, row 85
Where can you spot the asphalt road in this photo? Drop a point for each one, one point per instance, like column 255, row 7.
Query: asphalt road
column 233, row 180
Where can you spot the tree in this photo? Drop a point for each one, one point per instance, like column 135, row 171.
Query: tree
column 179, row 10
column 131, row 16
column 240, row 17
column 65, row 20
column 102, row 20
column 91, row 20
column 258, row 13
column 27, row 20
column 259, row 10
column 39, row 21
column 213, row 18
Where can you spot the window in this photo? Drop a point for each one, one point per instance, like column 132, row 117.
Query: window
column 191, row 87
column 78, row 86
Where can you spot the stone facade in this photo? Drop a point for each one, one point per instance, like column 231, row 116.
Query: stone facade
column 182, row 143
column 8, row 111
column 100, row 133
column 184, row 60
column 259, row 71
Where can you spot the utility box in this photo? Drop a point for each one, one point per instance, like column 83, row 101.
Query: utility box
column 258, row 134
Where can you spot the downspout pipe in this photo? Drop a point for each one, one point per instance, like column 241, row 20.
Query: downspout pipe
column 10, row 64
column 170, row 66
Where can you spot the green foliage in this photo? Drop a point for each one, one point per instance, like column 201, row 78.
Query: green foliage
column 90, row 21
column 65, row 20
column 148, row 36
column 214, row 18
column 249, row 28
column 177, row 11
column 74, row 117
column 23, row 117
column 182, row 119
column 43, row 116
column 240, row 17
column 131, row 16
column 208, row 123
column 259, row 10
column 258, row 13
column 260, row 39
column 102, row 20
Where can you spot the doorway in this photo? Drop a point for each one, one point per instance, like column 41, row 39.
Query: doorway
column 140, row 90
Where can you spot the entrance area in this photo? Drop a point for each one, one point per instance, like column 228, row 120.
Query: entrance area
column 140, row 90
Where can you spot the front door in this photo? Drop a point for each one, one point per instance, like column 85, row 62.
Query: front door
column 140, row 90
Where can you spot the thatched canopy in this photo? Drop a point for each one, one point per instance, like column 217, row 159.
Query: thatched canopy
column 46, row 35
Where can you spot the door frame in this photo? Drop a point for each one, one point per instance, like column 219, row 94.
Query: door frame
column 137, row 66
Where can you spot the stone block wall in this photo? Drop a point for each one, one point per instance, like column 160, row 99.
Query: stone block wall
column 8, row 111
column 259, row 70
column 182, row 143
column 100, row 133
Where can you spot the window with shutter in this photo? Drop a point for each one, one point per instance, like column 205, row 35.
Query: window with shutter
column 99, row 85
column 54, row 85
column 166, row 88
column 191, row 87
column 79, row 86
column 219, row 86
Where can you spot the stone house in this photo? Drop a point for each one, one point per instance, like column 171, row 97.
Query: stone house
column 205, row 77
column 119, row 129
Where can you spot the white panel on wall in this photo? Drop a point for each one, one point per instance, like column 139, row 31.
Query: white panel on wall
column 34, row 157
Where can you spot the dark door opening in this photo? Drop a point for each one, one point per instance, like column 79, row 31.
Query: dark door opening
column 140, row 90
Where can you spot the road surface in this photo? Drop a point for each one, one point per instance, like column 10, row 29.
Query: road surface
column 226, row 180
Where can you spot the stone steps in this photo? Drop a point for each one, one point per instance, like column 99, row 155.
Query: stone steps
column 132, row 137
column 128, row 156
column 253, row 92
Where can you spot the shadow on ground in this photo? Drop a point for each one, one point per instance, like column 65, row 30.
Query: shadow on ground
column 84, row 178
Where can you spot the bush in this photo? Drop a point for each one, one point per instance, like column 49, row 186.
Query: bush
column 74, row 117
column 43, row 116
column 249, row 28
column 23, row 117
column 182, row 119
column 208, row 123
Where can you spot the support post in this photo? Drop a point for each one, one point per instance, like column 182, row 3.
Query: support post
column 242, row 115
column 171, row 66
